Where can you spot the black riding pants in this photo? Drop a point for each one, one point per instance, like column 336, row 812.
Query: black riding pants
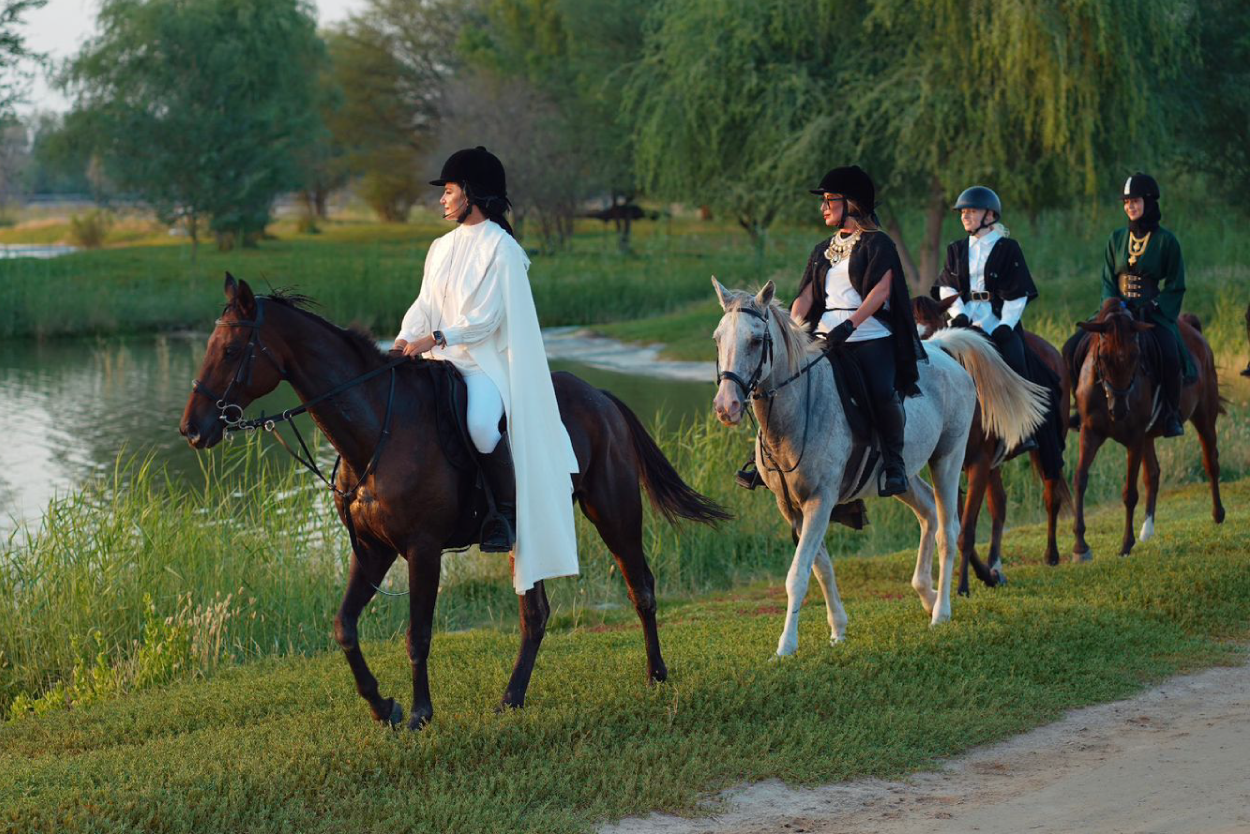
column 875, row 358
column 1011, row 346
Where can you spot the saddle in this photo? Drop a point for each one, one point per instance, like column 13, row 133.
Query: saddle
column 451, row 397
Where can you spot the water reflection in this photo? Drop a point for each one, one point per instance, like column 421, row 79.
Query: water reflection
column 67, row 408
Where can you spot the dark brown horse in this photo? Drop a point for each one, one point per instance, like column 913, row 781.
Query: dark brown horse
column 1117, row 399
column 983, row 455
column 411, row 500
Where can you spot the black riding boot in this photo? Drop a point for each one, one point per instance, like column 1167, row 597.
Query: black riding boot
column 498, row 529
column 891, row 422
column 1011, row 348
column 1170, row 379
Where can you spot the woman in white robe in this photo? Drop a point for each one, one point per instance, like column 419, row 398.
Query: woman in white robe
column 475, row 310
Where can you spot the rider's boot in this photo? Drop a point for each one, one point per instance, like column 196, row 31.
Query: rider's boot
column 748, row 476
column 498, row 529
column 1171, row 416
column 891, row 421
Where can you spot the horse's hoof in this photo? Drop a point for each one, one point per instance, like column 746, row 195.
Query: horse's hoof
column 938, row 620
column 836, row 640
column 419, row 720
column 504, row 706
column 963, row 592
column 1000, row 578
column 1218, row 515
column 396, row 716
column 1085, row 556
column 1147, row 529
column 657, row 676
column 778, row 657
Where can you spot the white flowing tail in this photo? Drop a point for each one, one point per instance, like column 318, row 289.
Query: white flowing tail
column 1011, row 407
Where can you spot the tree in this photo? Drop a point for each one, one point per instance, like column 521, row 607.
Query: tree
column 14, row 52
column 392, row 63
column 735, row 103
column 1042, row 99
column 575, row 55
column 1217, row 99
column 204, row 108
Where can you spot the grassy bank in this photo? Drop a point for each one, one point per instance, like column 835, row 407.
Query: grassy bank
column 136, row 579
column 286, row 744
column 369, row 273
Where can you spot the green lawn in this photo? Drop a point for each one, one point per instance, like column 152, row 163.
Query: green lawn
column 286, row 745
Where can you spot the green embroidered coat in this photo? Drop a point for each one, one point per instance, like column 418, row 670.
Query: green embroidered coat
column 1156, row 282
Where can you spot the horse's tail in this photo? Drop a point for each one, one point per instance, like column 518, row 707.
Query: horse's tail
column 669, row 494
column 1011, row 407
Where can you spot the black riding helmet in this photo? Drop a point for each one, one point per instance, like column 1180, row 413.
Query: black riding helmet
column 485, row 184
column 853, row 183
column 1141, row 185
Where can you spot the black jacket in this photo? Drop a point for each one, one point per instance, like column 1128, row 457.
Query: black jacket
column 1006, row 274
column 873, row 256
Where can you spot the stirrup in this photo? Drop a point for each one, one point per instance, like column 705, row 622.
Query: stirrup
column 748, row 477
column 496, row 534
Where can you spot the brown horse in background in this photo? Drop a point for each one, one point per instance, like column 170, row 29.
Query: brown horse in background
column 410, row 500
column 983, row 457
column 1117, row 399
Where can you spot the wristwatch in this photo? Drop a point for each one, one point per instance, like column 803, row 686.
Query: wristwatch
column 439, row 338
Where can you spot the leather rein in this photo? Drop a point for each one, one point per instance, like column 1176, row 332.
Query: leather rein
column 232, row 414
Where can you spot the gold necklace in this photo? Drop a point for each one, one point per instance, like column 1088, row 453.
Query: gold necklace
column 1136, row 246
column 840, row 247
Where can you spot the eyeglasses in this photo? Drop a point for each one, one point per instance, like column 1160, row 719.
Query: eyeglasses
column 830, row 199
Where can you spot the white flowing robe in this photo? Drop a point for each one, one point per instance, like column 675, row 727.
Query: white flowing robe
column 476, row 291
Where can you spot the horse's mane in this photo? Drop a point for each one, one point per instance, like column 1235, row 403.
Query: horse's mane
column 797, row 344
column 361, row 340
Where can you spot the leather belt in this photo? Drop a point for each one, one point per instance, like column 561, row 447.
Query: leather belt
column 1136, row 287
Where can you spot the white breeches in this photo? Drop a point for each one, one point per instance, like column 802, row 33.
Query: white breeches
column 485, row 409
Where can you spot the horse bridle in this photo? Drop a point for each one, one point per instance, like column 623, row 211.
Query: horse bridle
column 1109, row 391
column 243, row 376
column 748, row 386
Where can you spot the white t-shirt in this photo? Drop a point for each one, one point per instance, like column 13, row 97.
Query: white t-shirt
column 841, row 300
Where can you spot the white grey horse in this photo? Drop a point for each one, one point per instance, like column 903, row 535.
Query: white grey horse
column 809, row 442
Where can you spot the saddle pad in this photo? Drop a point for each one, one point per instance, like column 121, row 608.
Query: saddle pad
column 452, row 397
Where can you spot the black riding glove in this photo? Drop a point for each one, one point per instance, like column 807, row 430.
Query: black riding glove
column 960, row 321
column 1001, row 332
column 841, row 333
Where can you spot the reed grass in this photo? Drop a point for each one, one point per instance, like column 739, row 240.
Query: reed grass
column 249, row 561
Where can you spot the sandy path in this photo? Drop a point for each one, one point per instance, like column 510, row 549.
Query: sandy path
column 1175, row 759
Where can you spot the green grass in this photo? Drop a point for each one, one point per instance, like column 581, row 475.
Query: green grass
column 286, row 745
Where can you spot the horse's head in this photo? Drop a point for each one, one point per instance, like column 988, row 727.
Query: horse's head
column 744, row 348
column 930, row 314
column 1116, row 353
column 237, row 368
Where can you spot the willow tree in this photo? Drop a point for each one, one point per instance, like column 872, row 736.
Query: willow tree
column 735, row 103
column 1047, row 101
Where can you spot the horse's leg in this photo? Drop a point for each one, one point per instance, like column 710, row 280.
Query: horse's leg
column 1203, row 420
column 1090, row 443
column 1134, row 455
column 945, row 493
column 978, row 479
column 1052, row 497
column 1150, row 474
column 424, row 566
column 811, row 538
column 618, row 518
column 534, row 613
column 920, row 499
column 833, row 602
column 367, row 570
column 997, row 498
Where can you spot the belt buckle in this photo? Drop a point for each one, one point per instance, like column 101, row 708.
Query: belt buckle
column 1130, row 285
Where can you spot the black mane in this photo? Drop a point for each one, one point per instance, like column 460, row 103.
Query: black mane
column 360, row 339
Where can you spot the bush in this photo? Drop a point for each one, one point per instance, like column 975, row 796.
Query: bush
column 89, row 230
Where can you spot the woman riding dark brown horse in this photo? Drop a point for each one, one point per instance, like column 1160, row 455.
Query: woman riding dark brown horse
column 409, row 498
column 1117, row 399
column 985, row 453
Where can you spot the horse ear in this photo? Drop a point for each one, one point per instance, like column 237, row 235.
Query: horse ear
column 240, row 296
column 1093, row 326
column 765, row 296
column 231, row 288
column 1142, row 326
column 722, row 293
column 946, row 303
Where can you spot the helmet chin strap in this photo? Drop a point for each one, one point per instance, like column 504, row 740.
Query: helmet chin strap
column 984, row 214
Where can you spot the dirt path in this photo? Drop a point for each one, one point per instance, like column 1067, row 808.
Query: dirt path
column 1175, row 759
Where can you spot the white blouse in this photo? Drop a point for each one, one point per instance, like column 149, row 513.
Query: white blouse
column 841, row 300
column 981, row 313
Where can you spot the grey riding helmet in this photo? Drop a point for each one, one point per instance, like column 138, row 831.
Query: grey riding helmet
column 979, row 197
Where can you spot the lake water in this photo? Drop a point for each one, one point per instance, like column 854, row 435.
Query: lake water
column 67, row 408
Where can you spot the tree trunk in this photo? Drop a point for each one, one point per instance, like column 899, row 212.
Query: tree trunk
column 931, row 252
column 895, row 228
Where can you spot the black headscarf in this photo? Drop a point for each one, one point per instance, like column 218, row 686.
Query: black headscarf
column 1144, row 186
